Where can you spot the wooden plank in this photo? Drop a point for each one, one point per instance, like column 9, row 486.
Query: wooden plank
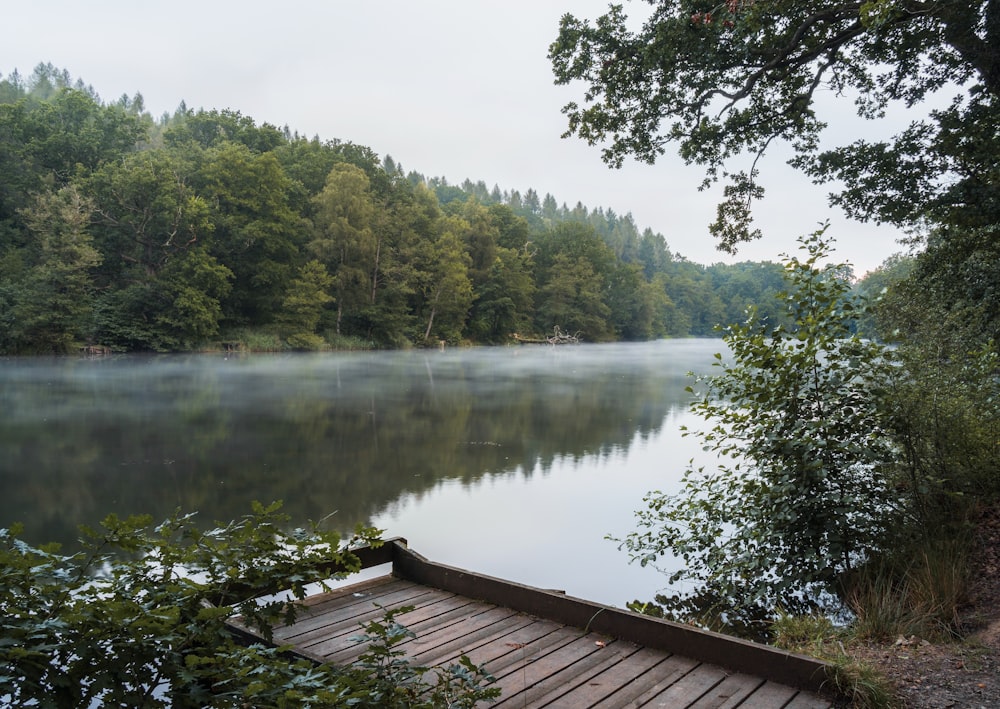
column 338, row 646
column 532, row 678
column 523, row 647
column 667, row 673
column 491, row 640
column 562, row 687
column 601, row 686
column 447, row 643
column 768, row 696
column 714, row 648
column 336, row 609
column 361, row 587
column 316, row 606
column 425, row 623
column 441, row 611
column 337, row 635
column 729, row 693
column 689, row 688
column 350, row 617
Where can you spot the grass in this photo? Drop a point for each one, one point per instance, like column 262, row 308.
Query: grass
column 858, row 682
column 912, row 593
column 348, row 342
column 249, row 340
column 254, row 340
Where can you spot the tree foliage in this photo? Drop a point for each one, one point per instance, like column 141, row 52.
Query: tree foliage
column 944, row 412
column 802, row 492
column 54, row 303
column 204, row 224
column 725, row 80
column 138, row 618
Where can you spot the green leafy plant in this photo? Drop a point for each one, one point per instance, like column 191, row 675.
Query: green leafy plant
column 138, row 617
column 383, row 678
column 801, row 493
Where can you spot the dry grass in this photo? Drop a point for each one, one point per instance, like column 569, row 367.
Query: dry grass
column 857, row 681
column 918, row 594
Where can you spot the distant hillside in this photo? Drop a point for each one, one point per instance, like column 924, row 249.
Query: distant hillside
column 203, row 229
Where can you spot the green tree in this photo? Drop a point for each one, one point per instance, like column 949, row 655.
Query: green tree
column 632, row 302
column 504, row 302
column 445, row 284
column 213, row 128
column 146, row 213
column 945, row 400
column 500, row 271
column 738, row 286
column 308, row 295
column 572, row 299
column 670, row 320
column 55, row 300
column 550, row 209
column 481, row 240
column 699, row 309
column 192, row 287
column 807, row 496
column 654, row 255
column 408, row 221
column 344, row 238
column 307, row 163
column 256, row 234
column 152, row 230
column 959, row 272
column 726, row 80
column 44, row 142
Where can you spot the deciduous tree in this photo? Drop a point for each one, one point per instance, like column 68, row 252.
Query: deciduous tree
column 54, row 301
column 802, row 493
column 444, row 283
column 725, row 80
column 344, row 238
column 308, row 294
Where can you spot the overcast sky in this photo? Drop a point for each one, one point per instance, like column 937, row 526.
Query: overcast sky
column 451, row 88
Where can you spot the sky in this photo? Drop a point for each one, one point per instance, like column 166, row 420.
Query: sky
column 449, row 88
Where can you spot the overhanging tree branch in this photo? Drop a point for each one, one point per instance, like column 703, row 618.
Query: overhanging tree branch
column 726, row 80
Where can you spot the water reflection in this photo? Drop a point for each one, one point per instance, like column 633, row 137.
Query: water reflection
column 372, row 436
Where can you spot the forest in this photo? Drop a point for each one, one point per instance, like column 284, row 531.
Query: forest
column 857, row 480
column 202, row 229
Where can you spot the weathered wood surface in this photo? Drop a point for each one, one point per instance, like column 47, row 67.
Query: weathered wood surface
column 541, row 652
column 558, row 337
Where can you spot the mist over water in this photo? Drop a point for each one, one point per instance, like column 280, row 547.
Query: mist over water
column 512, row 461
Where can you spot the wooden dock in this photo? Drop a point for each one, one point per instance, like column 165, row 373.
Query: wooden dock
column 547, row 649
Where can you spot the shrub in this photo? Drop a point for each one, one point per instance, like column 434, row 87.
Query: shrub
column 801, row 494
column 138, row 618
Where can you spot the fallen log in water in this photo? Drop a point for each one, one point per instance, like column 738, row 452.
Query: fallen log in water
column 558, row 337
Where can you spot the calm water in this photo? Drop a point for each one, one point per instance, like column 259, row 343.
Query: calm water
column 515, row 462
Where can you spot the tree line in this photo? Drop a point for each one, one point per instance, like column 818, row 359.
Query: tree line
column 202, row 227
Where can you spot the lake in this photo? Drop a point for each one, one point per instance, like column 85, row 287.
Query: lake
column 511, row 461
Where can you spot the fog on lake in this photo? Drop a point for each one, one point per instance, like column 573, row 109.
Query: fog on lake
column 511, row 461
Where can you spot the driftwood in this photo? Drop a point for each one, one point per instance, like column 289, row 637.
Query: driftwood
column 558, row 337
column 95, row 350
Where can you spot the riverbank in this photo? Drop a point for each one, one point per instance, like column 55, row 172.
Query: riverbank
column 965, row 673
column 922, row 673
